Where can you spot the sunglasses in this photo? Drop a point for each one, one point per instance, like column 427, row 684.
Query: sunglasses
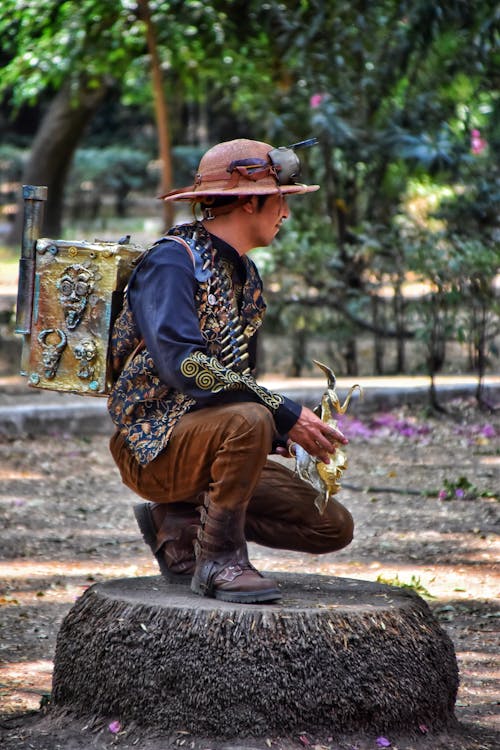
column 284, row 166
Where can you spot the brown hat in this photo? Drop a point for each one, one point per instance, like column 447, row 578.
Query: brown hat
column 244, row 167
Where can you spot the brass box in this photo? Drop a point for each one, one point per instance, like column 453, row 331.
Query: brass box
column 77, row 293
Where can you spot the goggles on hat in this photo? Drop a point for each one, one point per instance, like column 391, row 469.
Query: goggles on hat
column 284, row 166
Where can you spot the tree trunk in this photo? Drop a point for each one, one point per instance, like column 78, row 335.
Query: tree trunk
column 52, row 152
column 299, row 350
column 161, row 111
column 399, row 319
column 350, row 352
column 378, row 319
column 158, row 657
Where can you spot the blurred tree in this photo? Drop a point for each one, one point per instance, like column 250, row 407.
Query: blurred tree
column 113, row 171
column 393, row 91
column 80, row 50
column 73, row 50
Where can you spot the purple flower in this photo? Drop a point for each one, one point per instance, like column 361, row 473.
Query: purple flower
column 459, row 493
column 488, row 431
column 383, row 742
column 385, row 420
column 357, row 429
column 407, row 431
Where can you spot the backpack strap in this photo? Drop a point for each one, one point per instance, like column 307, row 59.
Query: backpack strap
column 141, row 345
column 186, row 245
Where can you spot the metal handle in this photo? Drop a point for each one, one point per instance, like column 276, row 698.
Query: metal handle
column 34, row 200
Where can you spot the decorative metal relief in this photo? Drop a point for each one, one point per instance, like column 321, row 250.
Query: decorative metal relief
column 86, row 352
column 75, row 293
column 75, row 286
column 51, row 350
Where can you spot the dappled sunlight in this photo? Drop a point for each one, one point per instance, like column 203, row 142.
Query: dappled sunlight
column 489, row 460
column 480, row 678
column 472, row 661
column 18, row 669
column 65, row 533
column 66, row 594
column 24, row 683
column 89, row 539
column 442, row 581
column 11, row 474
column 30, row 569
column 474, row 543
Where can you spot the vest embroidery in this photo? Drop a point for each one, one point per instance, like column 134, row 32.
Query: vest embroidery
column 145, row 409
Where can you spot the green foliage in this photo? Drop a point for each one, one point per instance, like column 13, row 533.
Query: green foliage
column 122, row 168
column 48, row 41
column 414, row 584
column 113, row 169
column 462, row 489
column 393, row 91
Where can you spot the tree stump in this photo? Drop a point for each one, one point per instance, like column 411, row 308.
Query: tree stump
column 336, row 655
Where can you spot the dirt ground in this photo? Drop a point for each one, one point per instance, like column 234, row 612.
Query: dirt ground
column 66, row 522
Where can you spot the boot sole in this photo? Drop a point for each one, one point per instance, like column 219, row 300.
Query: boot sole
column 263, row 596
column 142, row 515
column 239, row 597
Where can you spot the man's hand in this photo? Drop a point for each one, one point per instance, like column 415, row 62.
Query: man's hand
column 315, row 436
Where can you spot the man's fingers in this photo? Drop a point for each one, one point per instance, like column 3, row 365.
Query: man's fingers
column 335, row 436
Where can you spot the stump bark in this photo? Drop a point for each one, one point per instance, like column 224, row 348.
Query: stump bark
column 335, row 655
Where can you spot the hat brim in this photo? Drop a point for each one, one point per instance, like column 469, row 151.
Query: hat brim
column 187, row 194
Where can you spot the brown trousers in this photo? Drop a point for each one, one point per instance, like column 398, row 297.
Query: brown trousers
column 224, row 450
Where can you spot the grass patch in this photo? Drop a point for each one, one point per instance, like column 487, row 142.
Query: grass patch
column 414, row 584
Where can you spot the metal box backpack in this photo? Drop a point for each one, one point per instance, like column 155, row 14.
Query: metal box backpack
column 68, row 298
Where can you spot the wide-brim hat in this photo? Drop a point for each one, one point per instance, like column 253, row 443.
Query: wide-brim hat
column 243, row 167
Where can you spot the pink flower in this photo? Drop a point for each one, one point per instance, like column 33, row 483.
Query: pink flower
column 315, row 100
column 477, row 144
column 115, row 727
column 442, row 495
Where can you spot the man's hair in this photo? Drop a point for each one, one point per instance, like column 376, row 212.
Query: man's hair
column 217, row 201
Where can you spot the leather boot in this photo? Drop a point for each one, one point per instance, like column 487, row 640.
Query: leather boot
column 223, row 570
column 170, row 530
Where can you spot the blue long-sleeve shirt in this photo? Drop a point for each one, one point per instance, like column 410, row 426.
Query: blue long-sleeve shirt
column 161, row 296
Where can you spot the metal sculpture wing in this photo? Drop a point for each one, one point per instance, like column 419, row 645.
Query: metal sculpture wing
column 325, row 478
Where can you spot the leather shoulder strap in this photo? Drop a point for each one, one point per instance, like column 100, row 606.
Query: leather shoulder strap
column 186, row 245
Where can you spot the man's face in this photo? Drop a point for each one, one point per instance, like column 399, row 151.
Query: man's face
column 268, row 218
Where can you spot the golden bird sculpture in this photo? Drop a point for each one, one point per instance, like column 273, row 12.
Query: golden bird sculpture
column 325, row 478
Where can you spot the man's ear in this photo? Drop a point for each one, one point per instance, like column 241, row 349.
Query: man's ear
column 250, row 206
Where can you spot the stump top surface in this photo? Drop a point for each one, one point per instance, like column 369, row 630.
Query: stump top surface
column 300, row 592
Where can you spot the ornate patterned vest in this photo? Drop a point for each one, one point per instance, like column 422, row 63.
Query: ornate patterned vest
column 144, row 408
